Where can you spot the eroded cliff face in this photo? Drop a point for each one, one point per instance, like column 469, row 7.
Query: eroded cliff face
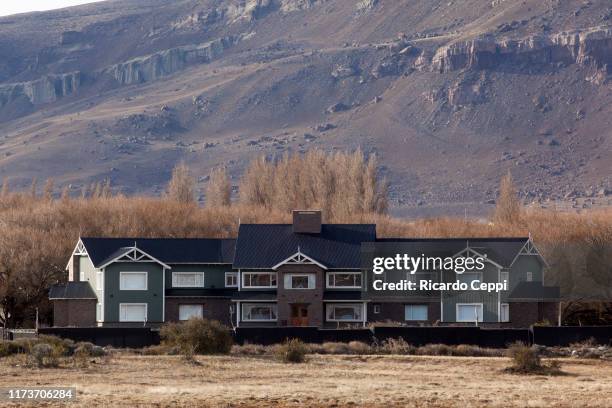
column 44, row 90
column 590, row 48
column 167, row 62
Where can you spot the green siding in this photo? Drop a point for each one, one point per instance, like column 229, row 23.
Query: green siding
column 153, row 296
column 214, row 274
column 489, row 300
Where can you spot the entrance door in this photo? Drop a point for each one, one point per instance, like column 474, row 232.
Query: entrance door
column 299, row 315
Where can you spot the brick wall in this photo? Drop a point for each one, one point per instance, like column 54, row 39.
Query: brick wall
column 74, row 312
column 312, row 299
column 213, row 308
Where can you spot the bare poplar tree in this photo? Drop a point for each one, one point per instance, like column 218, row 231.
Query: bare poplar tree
column 219, row 189
column 181, row 187
column 48, row 190
column 508, row 208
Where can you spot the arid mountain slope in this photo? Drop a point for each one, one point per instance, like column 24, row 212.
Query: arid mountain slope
column 449, row 94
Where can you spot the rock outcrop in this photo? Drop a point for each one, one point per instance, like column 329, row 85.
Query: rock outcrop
column 43, row 90
column 590, row 48
column 167, row 62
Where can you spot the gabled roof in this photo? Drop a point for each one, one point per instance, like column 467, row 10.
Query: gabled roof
column 499, row 250
column 166, row 250
column 72, row 290
column 263, row 246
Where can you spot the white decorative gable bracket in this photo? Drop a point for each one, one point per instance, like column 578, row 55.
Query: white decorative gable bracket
column 134, row 254
column 299, row 259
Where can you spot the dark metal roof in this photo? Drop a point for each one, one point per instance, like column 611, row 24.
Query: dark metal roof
column 337, row 246
column 72, row 290
column 167, row 250
column 530, row 291
column 499, row 250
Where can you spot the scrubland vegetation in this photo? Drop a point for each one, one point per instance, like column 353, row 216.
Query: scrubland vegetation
column 38, row 230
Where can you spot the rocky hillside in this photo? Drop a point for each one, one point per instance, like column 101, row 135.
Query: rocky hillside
column 449, row 94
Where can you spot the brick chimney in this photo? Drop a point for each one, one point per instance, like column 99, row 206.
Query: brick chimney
column 306, row 222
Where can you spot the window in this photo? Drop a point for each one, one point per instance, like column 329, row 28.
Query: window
column 299, row 281
column 98, row 312
column 344, row 280
column 469, row 277
column 529, row 276
column 187, row 312
column 258, row 312
column 344, row 312
column 231, row 279
column 505, row 276
column 259, row 279
column 133, row 280
column 504, row 312
column 417, row 277
column 99, row 280
column 132, row 312
column 415, row 312
column 376, row 309
column 188, row 279
column 469, row 312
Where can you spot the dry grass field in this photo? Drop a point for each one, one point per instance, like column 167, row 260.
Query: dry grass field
column 325, row 381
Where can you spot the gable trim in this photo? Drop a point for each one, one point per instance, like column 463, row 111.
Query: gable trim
column 134, row 254
column 529, row 249
column 299, row 259
column 484, row 256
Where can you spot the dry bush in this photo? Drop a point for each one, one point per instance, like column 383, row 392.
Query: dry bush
column 249, row 350
column 292, row 351
column 396, row 346
column 359, row 347
column 197, row 336
column 44, row 355
column 334, row 348
column 526, row 360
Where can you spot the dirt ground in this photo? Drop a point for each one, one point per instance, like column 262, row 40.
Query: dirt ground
column 325, row 381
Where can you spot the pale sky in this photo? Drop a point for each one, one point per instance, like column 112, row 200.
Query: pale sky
column 8, row 7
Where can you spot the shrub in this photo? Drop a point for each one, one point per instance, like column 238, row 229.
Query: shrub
column 334, row 348
column 249, row 350
column 87, row 349
column 44, row 355
column 8, row 348
column 158, row 350
column 200, row 335
column 292, row 351
column 359, row 347
column 524, row 358
column 396, row 346
column 61, row 347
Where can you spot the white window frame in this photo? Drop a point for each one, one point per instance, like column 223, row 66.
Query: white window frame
column 529, row 276
column 506, row 318
column 175, row 276
column 99, row 280
column 357, row 306
column 235, row 276
column 479, row 273
column 480, row 316
column 271, row 274
column 406, row 306
column 331, row 283
column 146, row 317
column 121, row 274
column 199, row 305
column 311, row 277
column 273, row 307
